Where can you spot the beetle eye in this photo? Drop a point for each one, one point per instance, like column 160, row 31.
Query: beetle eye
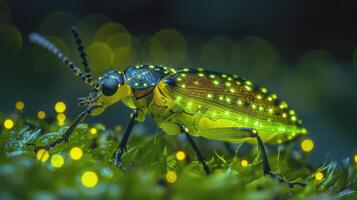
column 109, row 87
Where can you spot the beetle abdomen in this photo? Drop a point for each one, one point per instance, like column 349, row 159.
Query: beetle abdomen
column 223, row 96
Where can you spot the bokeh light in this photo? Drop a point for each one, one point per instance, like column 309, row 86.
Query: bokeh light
column 76, row 153
column 168, row 46
column 61, row 118
column 355, row 158
column 101, row 56
column 89, row 179
column 180, row 155
column 319, row 176
column 10, row 40
column 244, row 163
column 93, row 131
column 41, row 114
column 42, row 155
column 57, row 160
column 60, row 107
column 171, row 176
column 9, row 124
column 307, row 145
column 254, row 57
column 20, row 105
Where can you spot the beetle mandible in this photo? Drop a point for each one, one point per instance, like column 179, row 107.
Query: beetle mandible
column 191, row 101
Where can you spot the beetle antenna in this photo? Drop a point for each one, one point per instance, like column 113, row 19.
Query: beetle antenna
column 83, row 55
column 43, row 42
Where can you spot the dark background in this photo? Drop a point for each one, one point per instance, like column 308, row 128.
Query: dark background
column 305, row 51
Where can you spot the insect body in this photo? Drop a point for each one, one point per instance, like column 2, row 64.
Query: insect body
column 191, row 101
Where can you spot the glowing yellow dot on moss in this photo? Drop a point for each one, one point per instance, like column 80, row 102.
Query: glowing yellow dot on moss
column 171, row 177
column 319, row 176
column 307, row 145
column 76, row 153
column 89, row 179
column 9, row 124
column 93, row 131
column 61, row 117
column 42, row 155
column 60, row 107
column 41, row 114
column 355, row 158
column 20, row 105
column 180, row 155
column 57, row 161
column 118, row 128
column 244, row 163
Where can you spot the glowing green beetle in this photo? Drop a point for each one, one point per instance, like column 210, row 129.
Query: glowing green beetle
column 191, row 101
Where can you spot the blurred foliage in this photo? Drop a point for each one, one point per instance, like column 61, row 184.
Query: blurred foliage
column 146, row 164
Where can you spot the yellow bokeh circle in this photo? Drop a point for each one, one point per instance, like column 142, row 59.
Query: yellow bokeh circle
column 89, row 179
column 57, row 161
column 9, row 124
column 42, row 155
column 76, row 153
column 60, row 107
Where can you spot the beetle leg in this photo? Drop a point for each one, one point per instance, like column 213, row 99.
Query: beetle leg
column 122, row 146
column 68, row 132
column 266, row 166
column 200, row 157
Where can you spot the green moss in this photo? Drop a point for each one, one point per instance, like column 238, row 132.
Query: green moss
column 145, row 165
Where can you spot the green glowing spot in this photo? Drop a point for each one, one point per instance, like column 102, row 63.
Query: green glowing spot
column 209, row 96
column 183, row 86
column 293, row 118
column 216, row 82
column 183, row 75
column 283, row 105
column 254, row 106
column 292, row 112
column 200, row 69
column 196, row 83
column 285, row 115
column 240, row 102
column 136, row 84
column 228, row 84
column 189, row 104
column 248, row 83
column 238, row 83
column 145, row 84
column 221, row 98
column 224, row 75
column 247, row 88
column 261, row 108
column 274, row 96
column 226, row 113
column 186, row 69
column 232, row 90
column 228, row 100
column 179, row 79
column 259, row 97
column 212, row 76
column 264, row 90
column 271, row 110
column 270, row 99
column 201, row 75
column 229, row 78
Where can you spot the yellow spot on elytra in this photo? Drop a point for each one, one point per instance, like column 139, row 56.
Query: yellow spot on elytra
column 76, row 153
column 307, row 145
column 180, row 155
column 89, row 179
column 20, row 105
column 41, row 114
column 57, row 161
column 8, row 124
column 244, row 163
column 319, row 176
column 171, row 177
column 60, row 107
column 42, row 155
